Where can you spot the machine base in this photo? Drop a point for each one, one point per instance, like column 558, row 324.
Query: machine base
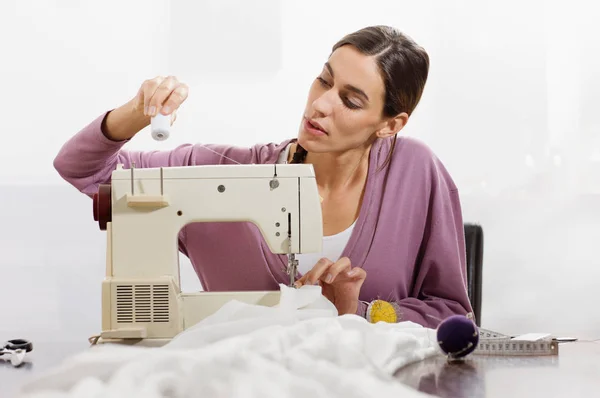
column 96, row 340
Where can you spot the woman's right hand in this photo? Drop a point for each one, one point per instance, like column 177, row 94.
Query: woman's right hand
column 161, row 94
column 164, row 95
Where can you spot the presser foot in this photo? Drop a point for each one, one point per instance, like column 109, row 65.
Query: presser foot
column 292, row 270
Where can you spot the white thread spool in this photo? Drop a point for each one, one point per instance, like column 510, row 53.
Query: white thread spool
column 160, row 126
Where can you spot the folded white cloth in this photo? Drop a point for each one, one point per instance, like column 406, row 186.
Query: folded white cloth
column 300, row 348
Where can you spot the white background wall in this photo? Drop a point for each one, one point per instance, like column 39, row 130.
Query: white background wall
column 510, row 107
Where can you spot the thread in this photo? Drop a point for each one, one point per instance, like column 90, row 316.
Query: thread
column 217, row 153
column 160, row 126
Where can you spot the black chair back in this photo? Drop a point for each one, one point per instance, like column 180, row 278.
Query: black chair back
column 474, row 246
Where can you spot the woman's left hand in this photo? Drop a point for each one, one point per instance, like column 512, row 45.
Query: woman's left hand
column 340, row 283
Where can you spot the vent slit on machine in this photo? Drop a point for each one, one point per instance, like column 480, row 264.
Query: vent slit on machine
column 142, row 303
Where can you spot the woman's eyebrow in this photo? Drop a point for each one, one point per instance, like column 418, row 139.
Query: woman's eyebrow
column 349, row 87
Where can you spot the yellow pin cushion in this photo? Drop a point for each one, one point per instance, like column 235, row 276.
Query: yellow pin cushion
column 381, row 311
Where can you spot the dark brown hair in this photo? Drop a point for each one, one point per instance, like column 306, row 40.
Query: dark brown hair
column 404, row 66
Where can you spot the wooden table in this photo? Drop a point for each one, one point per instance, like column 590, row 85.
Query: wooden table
column 574, row 373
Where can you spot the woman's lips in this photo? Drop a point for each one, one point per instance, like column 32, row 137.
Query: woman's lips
column 314, row 127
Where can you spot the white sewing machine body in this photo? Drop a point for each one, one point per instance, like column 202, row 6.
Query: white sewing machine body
column 143, row 211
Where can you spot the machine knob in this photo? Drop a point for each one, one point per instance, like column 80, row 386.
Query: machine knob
column 102, row 203
column 95, row 205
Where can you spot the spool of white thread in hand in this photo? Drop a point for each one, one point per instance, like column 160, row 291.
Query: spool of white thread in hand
column 160, row 126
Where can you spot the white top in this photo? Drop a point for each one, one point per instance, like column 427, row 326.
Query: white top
column 333, row 245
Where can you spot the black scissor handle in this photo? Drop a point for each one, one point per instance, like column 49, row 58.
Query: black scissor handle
column 19, row 344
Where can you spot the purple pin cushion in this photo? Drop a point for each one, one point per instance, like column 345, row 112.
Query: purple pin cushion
column 457, row 336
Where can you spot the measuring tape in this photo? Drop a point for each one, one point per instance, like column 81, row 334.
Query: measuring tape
column 493, row 343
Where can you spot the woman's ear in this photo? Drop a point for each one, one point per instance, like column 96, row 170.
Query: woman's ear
column 393, row 126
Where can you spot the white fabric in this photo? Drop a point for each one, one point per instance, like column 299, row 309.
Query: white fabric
column 300, row 348
column 333, row 245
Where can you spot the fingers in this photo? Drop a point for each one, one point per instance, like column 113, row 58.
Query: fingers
column 163, row 95
column 148, row 89
column 312, row 276
column 343, row 264
column 328, row 272
column 159, row 95
column 175, row 99
column 356, row 273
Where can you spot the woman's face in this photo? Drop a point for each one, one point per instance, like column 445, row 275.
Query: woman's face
column 345, row 104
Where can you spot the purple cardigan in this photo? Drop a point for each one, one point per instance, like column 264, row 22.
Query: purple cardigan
column 409, row 235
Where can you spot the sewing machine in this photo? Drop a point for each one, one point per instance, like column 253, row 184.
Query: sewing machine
column 143, row 211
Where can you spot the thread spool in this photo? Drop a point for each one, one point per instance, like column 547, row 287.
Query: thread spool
column 160, row 126
column 457, row 336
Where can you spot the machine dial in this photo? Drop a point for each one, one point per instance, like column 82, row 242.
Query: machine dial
column 103, row 206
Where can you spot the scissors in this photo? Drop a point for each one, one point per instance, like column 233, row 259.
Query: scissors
column 16, row 350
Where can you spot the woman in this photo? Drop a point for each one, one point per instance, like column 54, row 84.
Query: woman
column 394, row 243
